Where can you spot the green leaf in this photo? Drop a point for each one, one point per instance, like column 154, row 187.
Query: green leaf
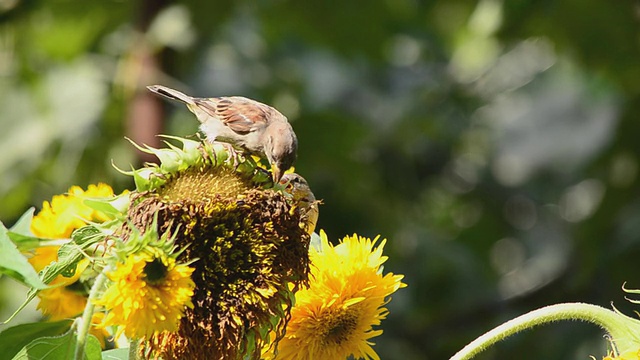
column 114, row 207
column 68, row 257
column 21, row 235
column 116, row 354
column 93, row 350
column 15, row 338
column 71, row 253
column 23, row 225
column 102, row 206
column 316, row 242
column 142, row 178
column 24, row 242
column 14, row 264
column 59, row 347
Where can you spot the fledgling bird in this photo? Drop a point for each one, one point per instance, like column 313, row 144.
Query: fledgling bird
column 298, row 187
column 257, row 128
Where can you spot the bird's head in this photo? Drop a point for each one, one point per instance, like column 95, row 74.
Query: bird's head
column 281, row 148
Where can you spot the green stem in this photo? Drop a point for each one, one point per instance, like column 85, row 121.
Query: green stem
column 600, row 316
column 85, row 321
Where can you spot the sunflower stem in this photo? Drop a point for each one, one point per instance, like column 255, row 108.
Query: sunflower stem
column 600, row 316
column 85, row 321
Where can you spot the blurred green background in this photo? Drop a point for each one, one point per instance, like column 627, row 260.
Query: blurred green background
column 494, row 143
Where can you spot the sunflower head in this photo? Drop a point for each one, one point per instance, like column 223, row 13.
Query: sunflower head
column 335, row 317
column 58, row 219
column 251, row 251
column 68, row 212
column 148, row 294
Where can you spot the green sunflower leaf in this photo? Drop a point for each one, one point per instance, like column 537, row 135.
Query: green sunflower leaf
column 23, row 225
column 70, row 254
column 116, row 354
column 20, row 233
column 13, row 339
column 14, row 264
column 59, row 347
column 142, row 178
column 112, row 207
column 24, row 242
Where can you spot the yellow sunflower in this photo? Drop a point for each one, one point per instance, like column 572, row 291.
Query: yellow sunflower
column 67, row 297
column 65, row 213
column 243, row 230
column 148, row 295
column 63, row 301
column 335, row 316
column 57, row 220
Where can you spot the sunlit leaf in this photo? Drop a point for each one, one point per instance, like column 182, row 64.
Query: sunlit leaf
column 116, row 354
column 15, row 338
column 71, row 253
column 24, row 242
column 20, row 233
column 113, row 207
column 23, row 225
column 59, row 347
column 14, row 264
column 68, row 257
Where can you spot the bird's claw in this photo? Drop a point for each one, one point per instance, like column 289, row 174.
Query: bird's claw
column 233, row 154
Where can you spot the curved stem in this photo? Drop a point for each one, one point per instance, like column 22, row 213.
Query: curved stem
column 85, row 321
column 600, row 316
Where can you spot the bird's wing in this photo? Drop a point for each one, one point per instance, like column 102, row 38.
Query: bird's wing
column 240, row 114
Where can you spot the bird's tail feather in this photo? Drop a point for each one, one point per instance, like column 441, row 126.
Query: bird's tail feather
column 171, row 94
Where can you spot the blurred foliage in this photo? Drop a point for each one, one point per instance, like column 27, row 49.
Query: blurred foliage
column 494, row 143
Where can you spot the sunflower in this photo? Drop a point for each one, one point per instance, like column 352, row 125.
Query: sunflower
column 66, row 213
column 57, row 220
column 148, row 295
column 67, row 296
column 224, row 211
column 65, row 299
column 335, row 316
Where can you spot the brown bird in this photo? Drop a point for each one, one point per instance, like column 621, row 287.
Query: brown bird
column 299, row 189
column 257, row 128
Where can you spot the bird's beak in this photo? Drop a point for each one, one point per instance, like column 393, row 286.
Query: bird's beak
column 277, row 173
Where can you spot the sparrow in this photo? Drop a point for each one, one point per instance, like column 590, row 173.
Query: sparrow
column 298, row 188
column 255, row 127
